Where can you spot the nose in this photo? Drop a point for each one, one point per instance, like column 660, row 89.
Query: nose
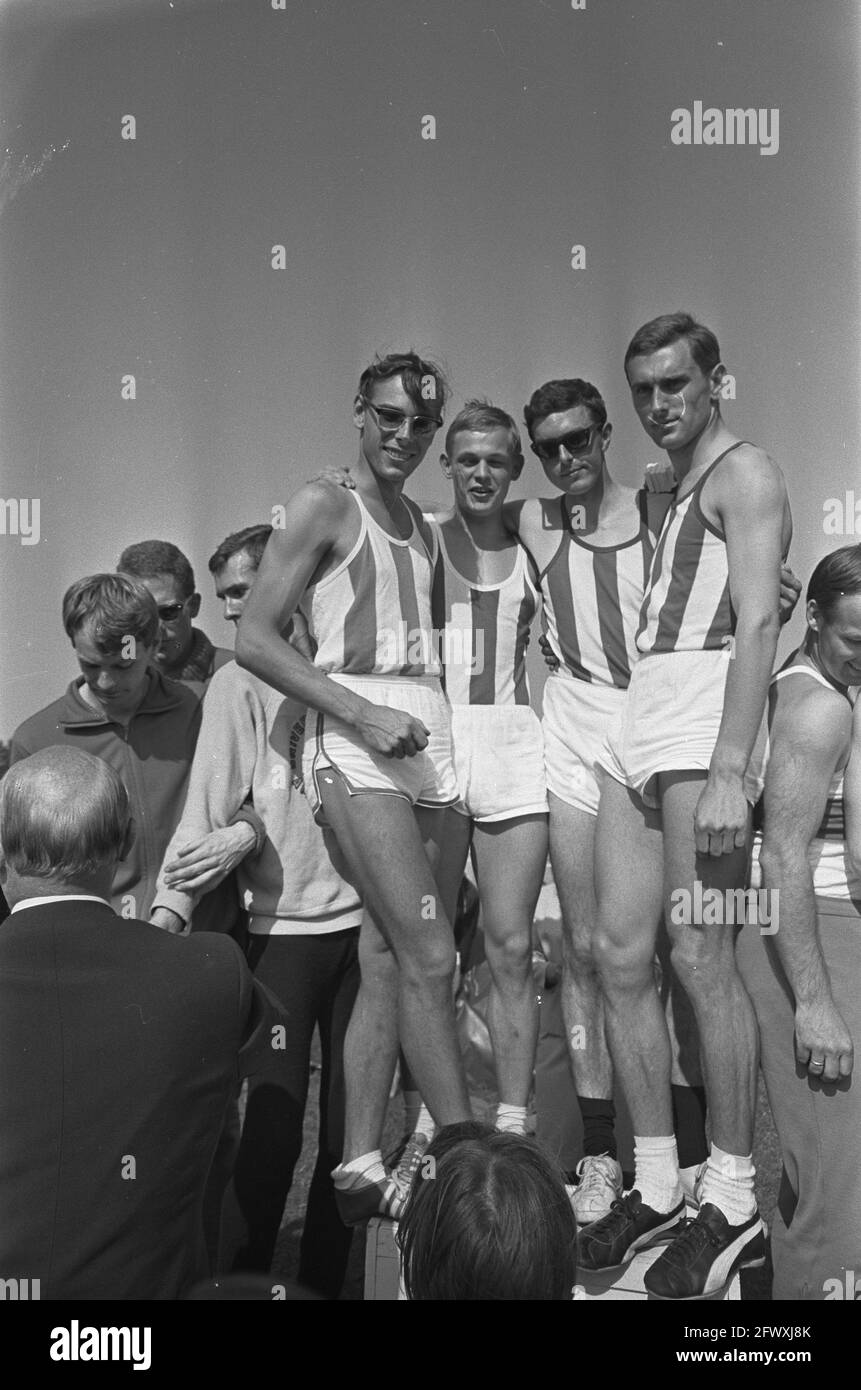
column 105, row 682
column 405, row 429
column 232, row 609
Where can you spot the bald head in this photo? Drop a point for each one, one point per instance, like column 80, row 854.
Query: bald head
column 64, row 816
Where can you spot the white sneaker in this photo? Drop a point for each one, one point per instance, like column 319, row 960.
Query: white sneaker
column 599, row 1186
column 410, row 1160
column 692, row 1183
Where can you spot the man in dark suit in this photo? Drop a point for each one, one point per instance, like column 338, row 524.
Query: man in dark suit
column 120, row 1046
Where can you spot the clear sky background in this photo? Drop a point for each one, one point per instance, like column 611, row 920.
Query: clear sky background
column 303, row 127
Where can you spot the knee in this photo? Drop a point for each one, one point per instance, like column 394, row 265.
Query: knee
column 578, row 954
column 431, row 963
column 623, row 963
column 510, row 958
column 701, row 961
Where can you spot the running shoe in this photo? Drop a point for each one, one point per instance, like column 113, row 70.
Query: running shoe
column 704, row 1257
column 404, row 1161
column 629, row 1226
column 599, row 1184
column 363, row 1200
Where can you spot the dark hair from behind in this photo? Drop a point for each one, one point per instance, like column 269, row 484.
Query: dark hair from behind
column 668, row 328
column 564, row 394
column 251, row 539
column 480, row 416
column 112, row 608
column 424, row 381
column 148, row 559
column 489, row 1220
column 836, row 575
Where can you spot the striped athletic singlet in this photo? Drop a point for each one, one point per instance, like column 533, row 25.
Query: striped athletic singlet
column 827, row 851
column 592, row 596
column 485, row 631
column 372, row 615
column 687, row 604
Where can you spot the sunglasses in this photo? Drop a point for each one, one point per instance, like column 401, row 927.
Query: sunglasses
column 169, row 612
column 577, row 443
column 391, row 420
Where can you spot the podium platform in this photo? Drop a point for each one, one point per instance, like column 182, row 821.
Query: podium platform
column 382, row 1272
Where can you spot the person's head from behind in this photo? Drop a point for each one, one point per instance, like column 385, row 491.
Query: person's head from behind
column 113, row 624
column 488, row 1219
column 834, row 615
column 234, row 565
column 569, row 430
column 64, row 824
column 168, row 575
column 482, row 457
column 674, row 369
column 397, row 410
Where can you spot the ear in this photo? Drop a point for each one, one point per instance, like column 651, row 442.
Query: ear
column 716, row 376
column 194, row 606
column 813, row 616
column 606, row 433
column 517, row 468
column 359, row 413
column 445, row 465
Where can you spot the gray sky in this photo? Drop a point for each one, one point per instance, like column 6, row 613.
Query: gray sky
column 257, row 127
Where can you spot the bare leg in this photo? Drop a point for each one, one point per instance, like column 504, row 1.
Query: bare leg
column 510, row 859
column 629, row 888
column 572, row 853
column 382, row 843
column 703, row 957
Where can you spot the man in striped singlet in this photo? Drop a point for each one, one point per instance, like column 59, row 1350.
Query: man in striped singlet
column 485, row 598
column 675, row 812
column 805, row 977
column 592, row 545
column 377, row 765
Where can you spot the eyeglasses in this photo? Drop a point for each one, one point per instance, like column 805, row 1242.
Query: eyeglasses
column 391, row 421
column 577, row 443
column 169, row 612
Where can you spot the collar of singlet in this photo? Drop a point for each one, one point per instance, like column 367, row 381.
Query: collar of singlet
column 697, row 487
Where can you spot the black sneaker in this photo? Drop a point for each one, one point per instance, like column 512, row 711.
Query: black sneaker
column 629, row 1226
column 702, row 1260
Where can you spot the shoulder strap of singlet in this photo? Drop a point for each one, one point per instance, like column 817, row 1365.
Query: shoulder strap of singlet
column 698, row 485
column 805, row 671
column 417, row 518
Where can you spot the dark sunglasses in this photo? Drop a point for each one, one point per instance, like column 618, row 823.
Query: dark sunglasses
column 577, row 443
column 390, row 419
column 169, row 612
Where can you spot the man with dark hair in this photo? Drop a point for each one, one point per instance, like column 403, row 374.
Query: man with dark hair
column 681, row 779
column 121, row 1046
column 234, row 564
column 377, row 761
column 184, row 652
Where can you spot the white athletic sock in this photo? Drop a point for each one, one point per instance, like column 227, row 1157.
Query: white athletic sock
column 418, row 1118
column 656, row 1171
column 729, row 1185
column 367, row 1168
column 512, row 1118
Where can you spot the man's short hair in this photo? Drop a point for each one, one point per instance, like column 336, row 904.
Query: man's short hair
column 63, row 815
column 251, row 539
column 487, row 1219
column 111, row 607
column 424, row 381
column 556, row 396
column 668, row 328
column 149, row 559
column 481, row 416
column 836, row 575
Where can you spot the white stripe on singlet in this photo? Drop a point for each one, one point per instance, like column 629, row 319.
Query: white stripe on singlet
column 486, row 631
column 371, row 616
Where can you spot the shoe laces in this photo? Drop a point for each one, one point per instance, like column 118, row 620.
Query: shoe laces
column 414, row 1152
column 691, row 1242
column 593, row 1174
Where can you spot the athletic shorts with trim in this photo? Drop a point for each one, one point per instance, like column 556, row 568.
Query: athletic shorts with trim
column 670, row 723
column 498, row 761
column 425, row 779
column 578, row 716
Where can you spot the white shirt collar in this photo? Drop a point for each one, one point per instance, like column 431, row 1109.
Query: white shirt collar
column 60, row 898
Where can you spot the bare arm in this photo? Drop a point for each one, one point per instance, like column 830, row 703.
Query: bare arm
column 296, row 553
column 751, row 506
column 806, row 746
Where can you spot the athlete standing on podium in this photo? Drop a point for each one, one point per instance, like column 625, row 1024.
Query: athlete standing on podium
column 377, row 762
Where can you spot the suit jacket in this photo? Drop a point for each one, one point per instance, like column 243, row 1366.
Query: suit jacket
column 120, row 1046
